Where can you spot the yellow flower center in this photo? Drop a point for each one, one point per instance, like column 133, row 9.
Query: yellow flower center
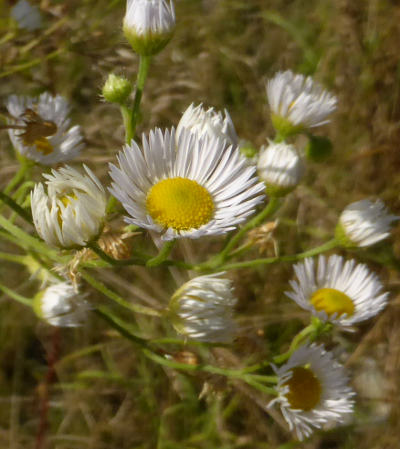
column 180, row 203
column 332, row 301
column 43, row 146
column 66, row 200
column 304, row 389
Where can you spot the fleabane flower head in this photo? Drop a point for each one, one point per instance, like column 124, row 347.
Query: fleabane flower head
column 364, row 223
column 201, row 122
column 71, row 213
column 149, row 25
column 190, row 188
column 28, row 17
column 313, row 391
column 202, row 309
column 60, row 305
column 341, row 292
column 40, row 129
column 280, row 167
column 297, row 103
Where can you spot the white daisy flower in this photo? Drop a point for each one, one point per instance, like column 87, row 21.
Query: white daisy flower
column 27, row 16
column 149, row 25
column 60, row 305
column 185, row 189
column 71, row 213
column 342, row 292
column 202, row 309
column 280, row 167
column 297, row 102
column 40, row 129
column 364, row 223
column 313, row 390
column 208, row 122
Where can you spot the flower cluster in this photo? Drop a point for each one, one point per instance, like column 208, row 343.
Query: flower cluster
column 192, row 182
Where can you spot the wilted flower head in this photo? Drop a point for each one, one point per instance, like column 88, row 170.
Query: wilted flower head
column 27, row 16
column 313, row 390
column 280, row 167
column 298, row 102
column 364, row 223
column 149, row 24
column 342, row 292
column 202, row 309
column 60, row 305
column 203, row 122
column 40, row 129
column 71, row 213
column 184, row 188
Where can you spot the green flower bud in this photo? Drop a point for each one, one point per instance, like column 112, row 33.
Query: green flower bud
column 116, row 89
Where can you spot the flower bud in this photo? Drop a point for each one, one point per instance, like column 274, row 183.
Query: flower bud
column 59, row 305
column 298, row 103
column 202, row 309
column 364, row 223
column 280, row 167
column 71, row 213
column 116, row 89
column 148, row 25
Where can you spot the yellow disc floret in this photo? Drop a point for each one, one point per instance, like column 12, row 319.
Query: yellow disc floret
column 332, row 301
column 304, row 389
column 180, row 203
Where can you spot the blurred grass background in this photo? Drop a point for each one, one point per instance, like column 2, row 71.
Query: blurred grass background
column 107, row 395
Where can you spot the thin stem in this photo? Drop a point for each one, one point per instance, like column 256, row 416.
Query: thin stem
column 12, row 258
column 295, row 343
column 331, row 244
column 16, row 207
column 12, row 294
column 137, row 308
column 115, row 262
column 127, row 119
column 162, row 255
column 27, row 241
column 144, row 65
column 220, row 258
column 18, row 177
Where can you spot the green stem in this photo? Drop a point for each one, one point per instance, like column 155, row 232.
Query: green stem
column 220, row 258
column 19, row 176
column 297, row 340
column 16, row 207
column 12, row 258
column 331, row 244
column 162, row 255
column 137, row 308
column 25, row 240
column 16, row 296
column 127, row 119
column 144, row 65
column 115, row 262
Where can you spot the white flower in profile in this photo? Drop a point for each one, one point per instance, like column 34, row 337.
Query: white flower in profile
column 208, row 122
column 341, row 292
column 149, row 25
column 60, row 305
column 298, row 102
column 364, row 223
column 313, row 391
column 71, row 213
column 202, row 309
column 40, row 129
column 27, row 16
column 280, row 167
column 190, row 188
